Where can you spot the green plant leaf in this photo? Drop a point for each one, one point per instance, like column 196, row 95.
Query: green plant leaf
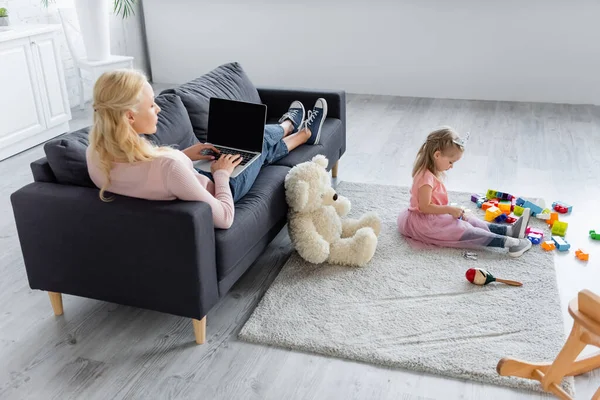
column 124, row 7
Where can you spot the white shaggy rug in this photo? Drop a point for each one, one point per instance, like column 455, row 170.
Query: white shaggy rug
column 414, row 309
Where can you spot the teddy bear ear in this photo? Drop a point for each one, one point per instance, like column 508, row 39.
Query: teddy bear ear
column 296, row 195
column 321, row 160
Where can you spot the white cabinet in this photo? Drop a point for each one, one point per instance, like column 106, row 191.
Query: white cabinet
column 34, row 105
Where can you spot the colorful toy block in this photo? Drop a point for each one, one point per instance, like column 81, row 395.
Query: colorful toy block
column 559, row 228
column 535, row 238
column 544, row 217
column 562, row 207
column 511, row 220
column 535, row 209
column 560, row 243
column 500, row 218
column 491, row 213
column 582, row 255
column 546, row 211
column 534, row 230
column 480, row 203
column 548, row 245
column 504, row 207
column 553, row 218
column 475, row 197
column 491, row 194
column 520, row 202
column 518, row 211
column 594, row 235
column 486, row 205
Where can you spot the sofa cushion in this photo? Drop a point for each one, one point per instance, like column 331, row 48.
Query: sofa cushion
column 174, row 127
column 329, row 145
column 228, row 81
column 66, row 157
column 263, row 207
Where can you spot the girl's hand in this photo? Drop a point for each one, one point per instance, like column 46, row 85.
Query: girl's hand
column 456, row 212
column 226, row 162
column 195, row 152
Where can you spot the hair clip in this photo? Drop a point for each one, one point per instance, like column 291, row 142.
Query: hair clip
column 462, row 142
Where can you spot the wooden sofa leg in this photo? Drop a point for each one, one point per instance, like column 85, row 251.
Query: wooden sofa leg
column 200, row 330
column 334, row 170
column 56, row 301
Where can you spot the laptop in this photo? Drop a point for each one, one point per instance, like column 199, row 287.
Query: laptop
column 235, row 127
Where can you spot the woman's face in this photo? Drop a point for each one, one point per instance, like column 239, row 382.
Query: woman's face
column 145, row 119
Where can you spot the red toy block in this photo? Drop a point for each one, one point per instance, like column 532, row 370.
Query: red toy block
column 511, row 220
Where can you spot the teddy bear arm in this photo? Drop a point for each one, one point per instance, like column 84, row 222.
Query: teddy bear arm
column 342, row 206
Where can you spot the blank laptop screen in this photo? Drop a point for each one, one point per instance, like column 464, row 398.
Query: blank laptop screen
column 236, row 124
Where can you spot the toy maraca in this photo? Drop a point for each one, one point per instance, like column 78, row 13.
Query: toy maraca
column 482, row 277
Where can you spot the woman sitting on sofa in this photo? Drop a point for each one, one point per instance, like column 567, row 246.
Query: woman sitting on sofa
column 122, row 161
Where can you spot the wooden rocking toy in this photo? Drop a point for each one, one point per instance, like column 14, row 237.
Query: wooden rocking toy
column 585, row 310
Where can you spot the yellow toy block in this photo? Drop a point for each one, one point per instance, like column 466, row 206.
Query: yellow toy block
column 559, row 228
column 583, row 256
column 518, row 211
column 548, row 245
column 491, row 213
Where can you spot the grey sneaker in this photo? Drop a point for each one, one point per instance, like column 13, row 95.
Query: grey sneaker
column 519, row 227
column 518, row 250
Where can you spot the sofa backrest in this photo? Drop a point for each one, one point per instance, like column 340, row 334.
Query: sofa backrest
column 66, row 154
column 228, row 81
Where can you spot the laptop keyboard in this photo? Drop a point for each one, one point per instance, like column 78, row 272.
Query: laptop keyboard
column 245, row 155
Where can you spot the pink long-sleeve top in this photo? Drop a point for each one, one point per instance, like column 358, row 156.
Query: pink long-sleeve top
column 168, row 177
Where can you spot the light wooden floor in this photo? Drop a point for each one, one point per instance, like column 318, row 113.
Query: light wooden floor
column 105, row 351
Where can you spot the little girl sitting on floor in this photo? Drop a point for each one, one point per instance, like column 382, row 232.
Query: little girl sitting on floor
column 430, row 220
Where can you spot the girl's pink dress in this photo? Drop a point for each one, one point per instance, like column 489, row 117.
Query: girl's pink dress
column 428, row 230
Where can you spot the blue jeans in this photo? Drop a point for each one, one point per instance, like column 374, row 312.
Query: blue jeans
column 273, row 149
column 498, row 230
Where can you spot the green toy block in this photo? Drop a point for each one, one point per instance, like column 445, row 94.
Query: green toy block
column 518, row 211
column 559, row 228
column 491, row 194
column 546, row 211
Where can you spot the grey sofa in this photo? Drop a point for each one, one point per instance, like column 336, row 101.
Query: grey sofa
column 162, row 256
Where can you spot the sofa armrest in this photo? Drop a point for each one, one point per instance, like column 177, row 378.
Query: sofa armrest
column 279, row 99
column 158, row 255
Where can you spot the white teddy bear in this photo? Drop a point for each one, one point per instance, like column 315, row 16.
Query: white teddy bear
column 315, row 222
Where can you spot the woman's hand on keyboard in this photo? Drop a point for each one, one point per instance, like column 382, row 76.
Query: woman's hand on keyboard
column 227, row 162
column 201, row 151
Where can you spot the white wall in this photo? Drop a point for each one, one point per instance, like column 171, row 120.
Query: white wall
column 523, row 50
column 126, row 36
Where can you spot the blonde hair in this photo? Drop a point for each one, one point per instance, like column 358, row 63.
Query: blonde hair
column 112, row 136
column 442, row 139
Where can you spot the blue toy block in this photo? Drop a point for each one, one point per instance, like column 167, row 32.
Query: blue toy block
column 561, row 243
column 535, row 238
column 500, row 218
column 520, row 202
column 480, row 203
column 535, row 209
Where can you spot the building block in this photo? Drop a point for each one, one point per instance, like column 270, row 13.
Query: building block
column 490, row 194
column 500, row 218
column 518, row 211
column 582, row 255
column 562, row 207
column 486, row 205
column 560, row 243
column 476, row 197
column 544, row 217
column 553, row 218
column 480, row 203
column 559, row 228
column 511, row 220
column 534, row 230
column 535, row 209
column 594, row 235
column 535, row 238
column 520, row 202
column 504, row 207
column 491, row 213
column 546, row 211
column 548, row 245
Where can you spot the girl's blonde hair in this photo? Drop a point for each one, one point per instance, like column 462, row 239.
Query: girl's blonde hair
column 112, row 136
column 443, row 139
